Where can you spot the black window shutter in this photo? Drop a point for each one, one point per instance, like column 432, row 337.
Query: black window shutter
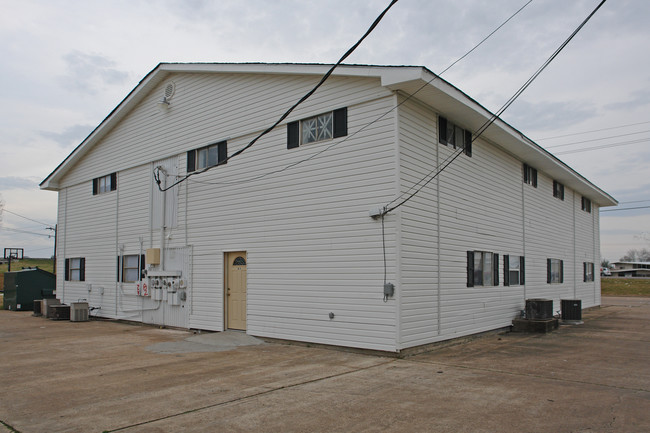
column 191, row 161
column 222, row 150
column 341, row 122
column 82, row 271
column 534, row 178
column 506, row 270
column 118, row 269
column 113, row 181
column 584, row 272
column 442, row 130
column 293, row 135
column 496, row 270
column 561, row 271
column 548, row 271
column 522, row 270
column 141, row 266
column 95, row 186
column 470, row 269
column 525, row 173
column 468, row 143
column 66, row 276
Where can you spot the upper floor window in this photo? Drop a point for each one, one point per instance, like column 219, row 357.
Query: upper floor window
column 208, row 156
column 326, row 126
column 554, row 271
column 105, row 184
column 586, row 204
column 482, row 268
column 75, row 269
column 453, row 135
column 530, row 175
column 558, row 190
column 513, row 270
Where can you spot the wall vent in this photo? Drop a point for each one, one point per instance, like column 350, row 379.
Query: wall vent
column 170, row 89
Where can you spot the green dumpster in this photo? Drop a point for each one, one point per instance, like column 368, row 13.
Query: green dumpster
column 22, row 287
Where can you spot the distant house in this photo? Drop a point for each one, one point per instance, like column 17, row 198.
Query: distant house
column 630, row 269
column 280, row 241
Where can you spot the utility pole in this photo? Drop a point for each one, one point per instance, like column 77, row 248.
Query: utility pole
column 54, row 229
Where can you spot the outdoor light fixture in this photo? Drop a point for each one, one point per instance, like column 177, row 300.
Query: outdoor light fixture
column 163, row 105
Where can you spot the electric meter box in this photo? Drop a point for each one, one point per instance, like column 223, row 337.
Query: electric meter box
column 153, row 256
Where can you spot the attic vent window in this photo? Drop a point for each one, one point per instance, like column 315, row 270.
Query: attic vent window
column 530, row 175
column 323, row 127
column 209, row 156
column 170, row 88
column 105, row 184
column 454, row 136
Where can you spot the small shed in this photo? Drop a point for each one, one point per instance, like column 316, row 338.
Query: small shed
column 22, row 287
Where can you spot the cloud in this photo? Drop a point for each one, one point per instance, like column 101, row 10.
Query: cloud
column 639, row 99
column 13, row 182
column 72, row 135
column 533, row 116
column 87, row 73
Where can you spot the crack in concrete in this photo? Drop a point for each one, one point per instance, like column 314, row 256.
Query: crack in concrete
column 10, row 428
column 251, row 396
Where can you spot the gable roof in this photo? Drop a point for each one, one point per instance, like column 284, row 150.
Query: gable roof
column 431, row 89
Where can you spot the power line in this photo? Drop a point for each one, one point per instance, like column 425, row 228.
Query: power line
column 604, row 146
column 627, row 208
column 26, row 232
column 22, row 216
column 495, row 116
column 593, row 130
column 363, row 128
column 286, row 113
column 596, row 139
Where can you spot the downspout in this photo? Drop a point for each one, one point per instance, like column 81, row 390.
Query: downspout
column 163, row 205
column 575, row 255
column 120, row 248
column 163, row 181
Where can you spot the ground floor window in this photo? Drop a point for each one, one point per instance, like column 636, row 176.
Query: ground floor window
column 482, row 268
column 75, row 269
column 130, row 267
column 513, row 270
column 588, row 271
column 554, row 271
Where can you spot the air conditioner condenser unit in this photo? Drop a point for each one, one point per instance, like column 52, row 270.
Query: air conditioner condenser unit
column 79, row 312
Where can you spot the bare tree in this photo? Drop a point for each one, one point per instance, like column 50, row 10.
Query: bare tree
column 642, row 255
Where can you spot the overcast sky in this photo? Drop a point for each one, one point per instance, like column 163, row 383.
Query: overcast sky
column 67, row 64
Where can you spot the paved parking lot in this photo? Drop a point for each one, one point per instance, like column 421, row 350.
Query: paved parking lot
column 106, row 376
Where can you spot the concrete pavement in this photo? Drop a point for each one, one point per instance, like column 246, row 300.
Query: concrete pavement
column 108, row 376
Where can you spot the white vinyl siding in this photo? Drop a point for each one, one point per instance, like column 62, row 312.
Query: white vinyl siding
column 487, row 181
column 418, row 284
column 207, row 108
column 312, row 248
